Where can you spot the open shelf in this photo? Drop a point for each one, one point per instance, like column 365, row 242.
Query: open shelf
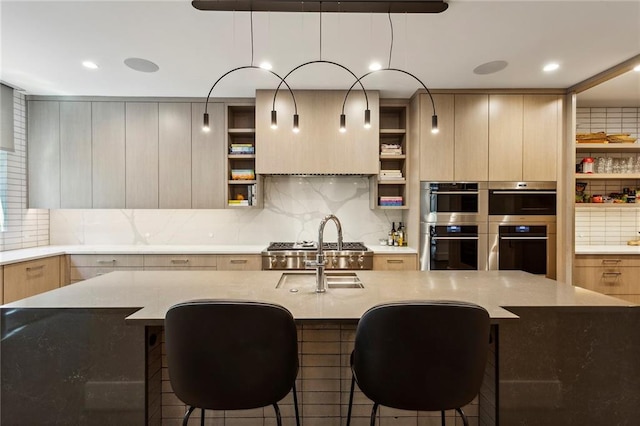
column 606, row 147
column 609, row 176
column 241, row 136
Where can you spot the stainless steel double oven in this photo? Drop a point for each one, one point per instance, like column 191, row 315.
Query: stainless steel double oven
column 453, row 228
column 522, row 227
column 488, row 225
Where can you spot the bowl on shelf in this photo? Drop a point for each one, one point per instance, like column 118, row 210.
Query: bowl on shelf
column 242, row 174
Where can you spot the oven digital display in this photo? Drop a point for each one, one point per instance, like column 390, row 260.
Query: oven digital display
column 522, row 229
column 453, row 228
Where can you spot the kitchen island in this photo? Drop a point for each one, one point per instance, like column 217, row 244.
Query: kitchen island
column 91, row 352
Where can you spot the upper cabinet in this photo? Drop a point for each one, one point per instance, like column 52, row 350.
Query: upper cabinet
column 496, row 137
column 319, row 147
column 43, row 130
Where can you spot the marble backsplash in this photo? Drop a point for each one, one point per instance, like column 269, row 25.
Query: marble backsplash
column 293, row 208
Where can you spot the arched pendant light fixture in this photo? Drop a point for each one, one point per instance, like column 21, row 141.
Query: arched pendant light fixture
column 205, row 118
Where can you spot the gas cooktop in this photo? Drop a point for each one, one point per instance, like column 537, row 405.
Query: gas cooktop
column 313, row 245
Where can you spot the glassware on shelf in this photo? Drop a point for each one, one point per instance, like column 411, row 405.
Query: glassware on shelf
column 601, row 164
column 609, row 165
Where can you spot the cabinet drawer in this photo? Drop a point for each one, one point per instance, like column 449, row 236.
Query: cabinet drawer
column 607, row 280
column 106, row 260
column 180, row 261
column 79, row 274
column 395, row 262
column 26, row 279
column 239, row 262
column 607, row 261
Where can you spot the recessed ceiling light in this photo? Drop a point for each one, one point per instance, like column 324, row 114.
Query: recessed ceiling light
column 142, row 65
column 552, row 66
column 490, row 67
column 90, row 65
column 375, row 66
column 637, row 68
column 265, row 65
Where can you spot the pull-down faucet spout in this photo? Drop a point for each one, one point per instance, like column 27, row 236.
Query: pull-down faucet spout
column 320, row 261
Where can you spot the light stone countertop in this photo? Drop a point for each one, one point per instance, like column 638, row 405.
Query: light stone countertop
column 22, row 255
column 608, row 249
column 155, row 291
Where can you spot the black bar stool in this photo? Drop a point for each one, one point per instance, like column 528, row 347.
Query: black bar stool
column 231, row 355
column 424, row 355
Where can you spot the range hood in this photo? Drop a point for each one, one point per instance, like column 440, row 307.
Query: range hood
column 342, row 6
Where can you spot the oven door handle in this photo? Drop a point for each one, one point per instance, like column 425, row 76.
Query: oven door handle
column 529, row 192
column 524, row 238
column 454, row 192
column 454, row 238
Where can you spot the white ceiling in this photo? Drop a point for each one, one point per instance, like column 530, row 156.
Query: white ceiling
column 44, row 43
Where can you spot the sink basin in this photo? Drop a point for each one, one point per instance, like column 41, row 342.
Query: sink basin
column 294, row 281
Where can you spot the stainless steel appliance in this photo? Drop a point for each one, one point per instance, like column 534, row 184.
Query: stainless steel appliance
column 522, row 227
column 453, row 201
column 289, row 255
column 450, row 246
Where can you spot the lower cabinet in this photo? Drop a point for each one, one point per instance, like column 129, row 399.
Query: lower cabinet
column 178, row 262
column 85, row 266
column 24, row 279
column 613, row 275
column 395, row 262
column 239, row 262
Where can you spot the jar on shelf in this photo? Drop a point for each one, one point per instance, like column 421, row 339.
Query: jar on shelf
column 587, row 165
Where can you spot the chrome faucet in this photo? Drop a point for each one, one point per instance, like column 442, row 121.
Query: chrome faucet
column 320, row 261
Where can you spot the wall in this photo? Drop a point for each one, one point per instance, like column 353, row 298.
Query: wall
column 610, row 225
column 293, row 208
column 23, row 227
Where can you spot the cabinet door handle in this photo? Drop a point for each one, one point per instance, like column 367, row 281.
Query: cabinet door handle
column 611, row 261
column 239, row 261
column 105, row 261
column 34, row 268
column 179, row 260
column 395, row 261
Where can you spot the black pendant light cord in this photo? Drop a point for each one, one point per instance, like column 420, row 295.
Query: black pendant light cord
column 391, row 44
column 251, row 17
column 320, row 30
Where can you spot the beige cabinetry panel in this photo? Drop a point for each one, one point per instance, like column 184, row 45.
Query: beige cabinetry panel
column 179, row 261
column 85, row 266
column 175, row 155
column 141, row 155
column 208, row 158
column 26, row 279
column 395, row 262
column 471, row 134
column 239, row 262
column 43, row 130
column 505, row 137
column 436, row 150
column 614, row 275
column 75, row 155
column 319, row 147
column 108, row 154
column 542, row 134
column 1, row 285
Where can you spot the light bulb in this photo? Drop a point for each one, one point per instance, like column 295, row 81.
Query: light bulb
column 205, row 124
column 274, row 119
column 434, row 124
column 343, row 123
column 367, row 118
column 296, row 127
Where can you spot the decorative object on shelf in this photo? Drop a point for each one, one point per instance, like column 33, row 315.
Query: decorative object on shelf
column 603, row 137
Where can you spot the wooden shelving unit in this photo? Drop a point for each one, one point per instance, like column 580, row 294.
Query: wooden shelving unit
column 393, row 131
column 241, row 132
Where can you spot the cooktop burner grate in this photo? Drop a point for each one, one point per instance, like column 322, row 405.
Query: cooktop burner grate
column 312, row 245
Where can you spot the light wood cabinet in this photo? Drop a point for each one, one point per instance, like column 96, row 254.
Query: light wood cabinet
column 175, row 155
column 614, row 275
column 108, row 154
column 395, row 262
column 75, row 155
column 542, row 136
column 319, row 147
column 208, row 158
column 239, row 262
column 471, row 135
column 26, row 279
column 43, row 130
column 141, row 155
column 505, row 137
column 436, row 150
column 85, row 266
column 179, row 261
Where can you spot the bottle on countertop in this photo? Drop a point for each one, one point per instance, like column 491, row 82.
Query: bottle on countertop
column 394, row 232
column 401, row 235
column 390, row 237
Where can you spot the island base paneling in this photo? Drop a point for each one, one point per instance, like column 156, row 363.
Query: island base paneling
column 323, row 385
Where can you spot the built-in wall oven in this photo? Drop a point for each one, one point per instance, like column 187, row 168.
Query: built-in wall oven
column 453, row 201
column 453, row 246
column 522, row 227
column 453, row 228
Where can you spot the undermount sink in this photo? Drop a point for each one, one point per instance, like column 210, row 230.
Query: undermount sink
column 294, row 281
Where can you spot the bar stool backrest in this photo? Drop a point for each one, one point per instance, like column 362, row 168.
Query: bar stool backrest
column 427, row 355
column 230, row 355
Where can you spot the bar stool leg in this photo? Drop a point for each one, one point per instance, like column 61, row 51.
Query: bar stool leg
column 278, row 417
column 295, row 404
column 185, row 419
column 353, row 384
column 442, row 417
column 464, row 418
column 202, row 417
column 373, row 414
